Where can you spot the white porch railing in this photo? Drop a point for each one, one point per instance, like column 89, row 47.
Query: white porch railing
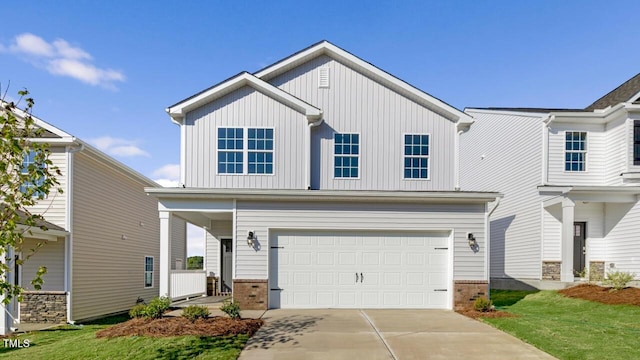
column 187, row 283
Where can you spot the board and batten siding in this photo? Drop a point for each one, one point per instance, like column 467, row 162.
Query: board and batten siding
column 595, row 165
column 51, row 256
column 245, row 107
column 355, row 103
column 265, row 217
column 54, row 206
column 616, row 151
column 220, row 229
column 178, row 243
column 108, row 269
column 503, row 152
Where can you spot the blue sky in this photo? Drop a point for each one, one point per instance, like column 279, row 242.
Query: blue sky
column 105, row 71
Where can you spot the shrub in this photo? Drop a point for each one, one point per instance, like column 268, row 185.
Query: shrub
column 157, row 307
column 194, row 312
column 619, row 279
column 138, row 311
column 483, row 304
column 231, row 308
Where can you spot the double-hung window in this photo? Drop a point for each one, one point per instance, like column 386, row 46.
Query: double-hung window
column 575, row 156
column 237, row 146
column 636, row 142
column 416, row 156
column 148, row 271
column 29, row 160
column 346, row 155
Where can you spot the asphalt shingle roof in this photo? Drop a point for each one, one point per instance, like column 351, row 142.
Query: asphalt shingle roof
column 622, row 93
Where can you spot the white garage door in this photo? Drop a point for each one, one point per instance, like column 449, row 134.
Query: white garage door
column 358, row 270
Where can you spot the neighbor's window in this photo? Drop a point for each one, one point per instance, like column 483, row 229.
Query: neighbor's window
column 346, row 155
column 148, row 271
column 575, row 157
column 416, row 156
column 260, row 146
column 29, row 160
column 636, row 142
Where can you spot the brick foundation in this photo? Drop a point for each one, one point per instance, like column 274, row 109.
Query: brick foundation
column 551, row 270
column 596, row 270
column 43, row 307
column 465, row 292
column 250, row 294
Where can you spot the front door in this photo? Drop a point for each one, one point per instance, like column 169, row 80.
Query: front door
column 226, row 257
column 579, row 247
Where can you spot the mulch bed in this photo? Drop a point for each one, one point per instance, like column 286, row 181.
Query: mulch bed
column 179, row 326
column 475, row 314
column 626, row 296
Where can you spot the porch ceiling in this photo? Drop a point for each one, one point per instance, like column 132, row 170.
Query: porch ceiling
column 604, row 194
column 203, row 218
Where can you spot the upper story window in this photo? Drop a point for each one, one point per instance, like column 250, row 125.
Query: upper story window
column 416, row 156
column 237, row 146
column 575, row 157
column 30, row 160
column 636, row 142
column 346, row 155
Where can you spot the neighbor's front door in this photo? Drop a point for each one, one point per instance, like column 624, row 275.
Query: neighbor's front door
column 579, row 247
column 227, row 259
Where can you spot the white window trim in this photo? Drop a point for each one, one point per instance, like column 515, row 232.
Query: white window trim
column 402, row 156
column 35, row 195
column 245, row 150
column 585, row 152
column 153, row 275
column 333, row 149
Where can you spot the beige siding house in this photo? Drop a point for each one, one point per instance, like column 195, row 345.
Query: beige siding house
column 103, row 237
column 322, row 181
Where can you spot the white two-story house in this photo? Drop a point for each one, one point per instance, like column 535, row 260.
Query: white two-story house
column 325, row 182
column 570, row 179
column 101, row 247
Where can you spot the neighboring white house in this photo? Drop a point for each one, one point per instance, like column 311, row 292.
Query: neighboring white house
column 325, row 182
column 101, row 250
column 570, row 179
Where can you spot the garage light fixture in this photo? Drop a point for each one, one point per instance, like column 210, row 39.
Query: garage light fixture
column 472, row 240
column 250, row 238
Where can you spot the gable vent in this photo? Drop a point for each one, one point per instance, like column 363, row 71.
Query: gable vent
column 323, row 77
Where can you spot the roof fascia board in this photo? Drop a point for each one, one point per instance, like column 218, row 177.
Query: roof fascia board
column 178, row 111
column 506, row 112
column 21, row 114
column 326, row 47
column 596, row 117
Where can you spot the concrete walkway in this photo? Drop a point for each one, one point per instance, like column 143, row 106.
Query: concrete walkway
column 381, row 334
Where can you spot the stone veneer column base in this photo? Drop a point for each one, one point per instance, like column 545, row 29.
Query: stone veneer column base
column 251, row 294
column 43, row 307
column 596, row 270
column 551, row 270
column 465, row 292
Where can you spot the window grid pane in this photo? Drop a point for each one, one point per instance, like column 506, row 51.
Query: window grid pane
column 148, row 271
column 230, row 162
column 28, row 160
column 575, row 147
column 260, row 145
column 416, row 156
column 346, row 155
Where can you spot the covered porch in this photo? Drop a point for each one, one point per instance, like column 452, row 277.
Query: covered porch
column 577, row 221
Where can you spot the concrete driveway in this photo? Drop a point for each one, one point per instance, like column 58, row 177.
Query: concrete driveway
column 381, row 334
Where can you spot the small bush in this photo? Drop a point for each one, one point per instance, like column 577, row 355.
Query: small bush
column 618, row 280
column 194, row 312
column 138, row 311
column 483, row 304
column 157, row 307
column 231, row 308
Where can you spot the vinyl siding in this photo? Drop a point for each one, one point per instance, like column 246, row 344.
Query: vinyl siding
column 219, row 230
column 616, row 152
column 593, row 215
column 552, row 233
column 354, row 103
column 54, row 206
column 595, row 165
column 51, row 256
column 503, row 152
column 622, row 225
column 245, row 107
column 178, row 242
column 264, row 217
column 108, row 271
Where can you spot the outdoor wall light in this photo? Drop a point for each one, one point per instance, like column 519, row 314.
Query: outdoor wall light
column 250, row 238
column 472, row 240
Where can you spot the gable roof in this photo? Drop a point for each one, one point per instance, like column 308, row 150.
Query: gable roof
column 629, row 91
column 324, row 47
column 178, row 110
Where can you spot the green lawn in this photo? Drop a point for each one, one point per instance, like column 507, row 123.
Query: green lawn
column 572, row 328
column 79, row 342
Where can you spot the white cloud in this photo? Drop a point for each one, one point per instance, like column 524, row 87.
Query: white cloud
column 118, row 146
column 63, row 59
column 168, row 182
column 168, row 175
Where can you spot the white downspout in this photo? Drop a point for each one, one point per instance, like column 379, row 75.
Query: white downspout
column 68, row 244
column 307, row 150
column 457, row 160
column 487, row 236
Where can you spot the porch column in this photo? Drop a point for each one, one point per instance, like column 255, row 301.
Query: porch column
column 165, row 252
column 6, row 316
column 568, row 217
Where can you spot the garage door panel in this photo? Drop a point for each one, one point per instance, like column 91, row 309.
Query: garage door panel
column 398, row 270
